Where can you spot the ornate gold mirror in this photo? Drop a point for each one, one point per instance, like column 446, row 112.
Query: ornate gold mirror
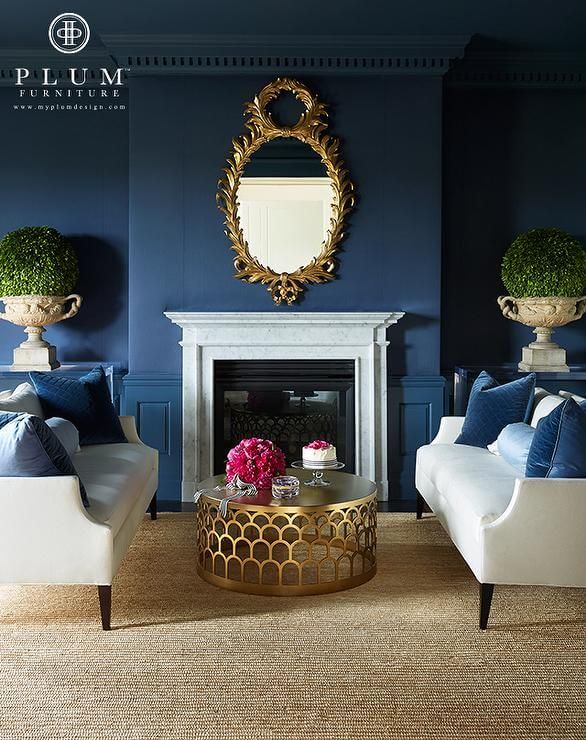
column 285, row 204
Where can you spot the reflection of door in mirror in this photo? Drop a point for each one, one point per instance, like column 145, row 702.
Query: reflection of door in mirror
column 285, row 204
column 285, row 219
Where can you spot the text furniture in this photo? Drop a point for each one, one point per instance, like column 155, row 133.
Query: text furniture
column 321, row 541
column 509, row 529
column 48, row 537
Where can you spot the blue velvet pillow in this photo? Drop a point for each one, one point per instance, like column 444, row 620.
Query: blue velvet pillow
column 85, row 402
column 514, row 443
column 492, row 407
column 559, row 445
column 28, row 448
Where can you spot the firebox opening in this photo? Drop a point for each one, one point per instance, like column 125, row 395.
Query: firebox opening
column 290, row 402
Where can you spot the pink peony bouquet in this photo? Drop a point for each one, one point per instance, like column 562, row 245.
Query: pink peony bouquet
column 255, row 461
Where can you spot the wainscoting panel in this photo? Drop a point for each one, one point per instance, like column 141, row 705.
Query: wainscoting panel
column 416, row 405
column 154, row 399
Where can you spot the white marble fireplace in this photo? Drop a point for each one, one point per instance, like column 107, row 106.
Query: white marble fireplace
column 357, row 336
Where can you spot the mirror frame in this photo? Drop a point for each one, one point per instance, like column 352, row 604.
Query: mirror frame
column 310, row 129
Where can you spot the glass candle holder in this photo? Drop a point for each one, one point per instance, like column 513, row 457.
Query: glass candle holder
column 285, row 486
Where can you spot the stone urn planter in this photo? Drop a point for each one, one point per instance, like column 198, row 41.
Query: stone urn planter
column 545, row 315
column 38, row 273
column 35, row 312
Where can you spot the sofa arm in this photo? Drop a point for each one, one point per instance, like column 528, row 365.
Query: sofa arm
column 128, row 424
column 47, row 536
column 539, row 539
column 449, row 430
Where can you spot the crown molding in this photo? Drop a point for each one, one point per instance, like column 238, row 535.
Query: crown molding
column 519, row 70
column 188, row 54
column 163, row 54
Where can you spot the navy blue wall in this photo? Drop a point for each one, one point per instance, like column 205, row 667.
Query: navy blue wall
column 136, row 194
column 513, row 160
column 180, row 133
column 70, row 170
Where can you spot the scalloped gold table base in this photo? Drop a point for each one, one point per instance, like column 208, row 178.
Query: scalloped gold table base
column 309, row 547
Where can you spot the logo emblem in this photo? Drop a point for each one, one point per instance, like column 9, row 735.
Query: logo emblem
column 69, row 33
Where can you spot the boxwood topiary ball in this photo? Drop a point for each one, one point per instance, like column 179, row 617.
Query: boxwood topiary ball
column 37, row 260
column 544, row 263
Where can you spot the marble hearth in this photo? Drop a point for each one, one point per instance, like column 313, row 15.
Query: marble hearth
column 357, row 336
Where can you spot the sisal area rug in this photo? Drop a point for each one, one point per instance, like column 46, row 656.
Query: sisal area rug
column 400, row 657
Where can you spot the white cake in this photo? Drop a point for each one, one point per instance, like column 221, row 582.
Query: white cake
column 319, row 454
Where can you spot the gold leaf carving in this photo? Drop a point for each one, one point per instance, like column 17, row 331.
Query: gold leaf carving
column 310, row 129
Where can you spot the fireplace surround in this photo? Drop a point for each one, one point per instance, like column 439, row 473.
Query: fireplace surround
column 208, row 338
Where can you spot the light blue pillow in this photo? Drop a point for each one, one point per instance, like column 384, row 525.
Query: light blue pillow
column 65, row 432
column 29, row 449
column 559, row 445
column 513, row 444
column 492, row 407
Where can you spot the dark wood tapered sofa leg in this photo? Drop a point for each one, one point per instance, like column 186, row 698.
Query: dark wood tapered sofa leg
column 420, row 505
column 153, row 507
column 105, row 597
column 485, row 591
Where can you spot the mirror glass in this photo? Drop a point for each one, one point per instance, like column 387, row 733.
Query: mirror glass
column 285, row 204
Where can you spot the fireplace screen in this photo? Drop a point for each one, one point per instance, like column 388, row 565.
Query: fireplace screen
column 288, row 402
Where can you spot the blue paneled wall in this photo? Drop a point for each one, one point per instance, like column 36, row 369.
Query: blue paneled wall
column 181, row 131
column 466, row 167
column 514, row 160
column 69, row 169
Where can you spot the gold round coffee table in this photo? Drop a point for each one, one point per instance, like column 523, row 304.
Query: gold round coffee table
column 321, row 541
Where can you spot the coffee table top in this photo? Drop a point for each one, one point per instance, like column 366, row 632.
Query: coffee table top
column 344, row 488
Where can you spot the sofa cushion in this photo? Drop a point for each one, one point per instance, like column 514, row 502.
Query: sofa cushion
column 29, row 449
column 544, row 407
column 492, row 406
column 559, row 445
column 514, row 443
column 569, row 394
column 474, row 483
column 85, row 402
column 23, row 399
column 114, row 476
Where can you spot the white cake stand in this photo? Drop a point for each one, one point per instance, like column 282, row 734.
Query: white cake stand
column 317, row 480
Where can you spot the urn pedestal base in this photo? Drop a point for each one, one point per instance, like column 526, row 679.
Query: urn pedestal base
column 543, row 359
column 35, row 353
column 43, row 358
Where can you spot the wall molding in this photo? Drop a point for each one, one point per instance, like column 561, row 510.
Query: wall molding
column 193, row 54
column 416, row 405
column 499, row 69
column 163, row 54
column 154, row 399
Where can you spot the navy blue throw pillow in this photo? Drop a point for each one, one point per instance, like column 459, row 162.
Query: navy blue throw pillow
column 85, row 402
column 28, row 449
column 558, row 449
column 492, row 407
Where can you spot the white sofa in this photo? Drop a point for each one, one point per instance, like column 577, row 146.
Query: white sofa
column 48, row 537
column 509, row 529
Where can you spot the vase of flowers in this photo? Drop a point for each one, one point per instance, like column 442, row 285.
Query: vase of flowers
column 256, row 461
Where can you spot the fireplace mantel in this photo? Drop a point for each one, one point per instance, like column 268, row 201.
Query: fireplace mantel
column 357, row 336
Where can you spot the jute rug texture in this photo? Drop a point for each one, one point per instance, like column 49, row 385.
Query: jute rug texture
column 399, row 657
